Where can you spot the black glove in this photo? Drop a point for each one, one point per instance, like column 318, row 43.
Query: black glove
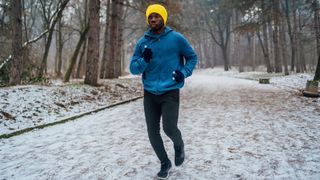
column 147, row 54
column 178, row 76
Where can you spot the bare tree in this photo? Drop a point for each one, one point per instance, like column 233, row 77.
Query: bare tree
column 113, row 65
column 83, row 19
column 276, row 19
column 106, row 42
column 316, row 11
column 92, row 65
column 59, row 45
column 16, row 24
column 75, row 54
column 53, row 20
column 294, row 32
column 218, row 22
column 283, row 46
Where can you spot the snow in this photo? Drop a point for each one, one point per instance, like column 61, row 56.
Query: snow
column 233, row 128
column 34, row 105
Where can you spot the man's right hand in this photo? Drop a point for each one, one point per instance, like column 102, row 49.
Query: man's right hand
column 147, row 54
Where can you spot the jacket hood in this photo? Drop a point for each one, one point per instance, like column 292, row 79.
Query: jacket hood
column 149, row 33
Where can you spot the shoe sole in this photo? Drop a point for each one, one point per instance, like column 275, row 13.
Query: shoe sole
column 165, row 177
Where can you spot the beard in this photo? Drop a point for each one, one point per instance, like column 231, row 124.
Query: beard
column 157, row 27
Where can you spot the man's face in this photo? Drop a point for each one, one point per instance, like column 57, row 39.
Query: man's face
column 155, row 21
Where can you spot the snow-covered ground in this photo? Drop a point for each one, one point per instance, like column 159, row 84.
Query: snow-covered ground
column 233, row 129
column 32, row 105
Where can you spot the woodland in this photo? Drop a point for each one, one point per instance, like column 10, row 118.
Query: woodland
column 94, row 39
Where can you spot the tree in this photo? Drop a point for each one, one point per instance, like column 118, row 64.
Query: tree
column 218, row 19
column 16, row 24
column 114, row 37
column 75, row 54
column 315, row 5
column 59, row 45
column 82, row 12
column 276, row 19
column 52, row 22
column 92, row 65
column 106, row 43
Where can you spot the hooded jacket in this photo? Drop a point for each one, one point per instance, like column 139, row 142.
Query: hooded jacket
column 171, row 51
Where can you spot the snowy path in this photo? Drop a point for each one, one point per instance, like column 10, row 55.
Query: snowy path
column 233, row 129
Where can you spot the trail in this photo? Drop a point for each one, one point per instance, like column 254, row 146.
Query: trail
column 232, row 128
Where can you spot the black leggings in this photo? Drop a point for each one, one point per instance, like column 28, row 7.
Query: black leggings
column 167, row 107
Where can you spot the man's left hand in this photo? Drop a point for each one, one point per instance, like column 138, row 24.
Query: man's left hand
column 178, row 76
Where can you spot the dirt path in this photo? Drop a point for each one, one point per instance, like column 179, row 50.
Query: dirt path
column 233, row 129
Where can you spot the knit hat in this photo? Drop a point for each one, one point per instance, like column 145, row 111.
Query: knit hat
column 159, row 9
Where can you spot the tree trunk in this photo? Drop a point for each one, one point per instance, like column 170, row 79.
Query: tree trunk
column 291, row 36
column 317, row 74
column 110, row 73
column 92, row 65
column 208, row 60
column 214, row 52
column 283, row 46
column 253, row 53
column 225, row 58
column 106, row 43
column 316, row 11
column 276, row 14
column 265, row 43
column 294, row 33
column 16, row 24
column 81, row 64
column 59, row 45
column 317, row 30
column 75, row 54
column 118, row 56
column 236, row 45
column 43, row 66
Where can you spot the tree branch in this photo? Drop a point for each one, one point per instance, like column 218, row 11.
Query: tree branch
column 35, row 39
column 6, row 61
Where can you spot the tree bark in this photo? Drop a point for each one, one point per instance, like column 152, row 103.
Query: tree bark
column 106, row 43
column 265, row 43
column 316, row 12
column 92, row 64
column 81, row 66
column 75, row 54
column 276, row 16
column 119, row 55
column 16, row 24
column 81, row 62
column 317, row 30
column 283, row 46
column 294, row 33
column 264, row 46
column 59, row 45
column 113, row 36
column 290, row 33
column 317, row 74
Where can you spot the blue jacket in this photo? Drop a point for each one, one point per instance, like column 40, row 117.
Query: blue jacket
column 171, row 51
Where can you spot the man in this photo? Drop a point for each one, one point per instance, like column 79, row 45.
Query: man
column 165, row 59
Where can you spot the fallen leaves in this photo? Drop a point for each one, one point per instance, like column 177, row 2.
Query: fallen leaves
column 8, row 115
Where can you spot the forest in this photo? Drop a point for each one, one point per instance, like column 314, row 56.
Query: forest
column 93, row 39
column 71, row 109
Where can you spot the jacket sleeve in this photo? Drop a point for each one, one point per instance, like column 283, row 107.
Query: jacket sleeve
column 190, row 56
column 137, row 63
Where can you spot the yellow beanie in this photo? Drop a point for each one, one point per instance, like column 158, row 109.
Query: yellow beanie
column 159, row 9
